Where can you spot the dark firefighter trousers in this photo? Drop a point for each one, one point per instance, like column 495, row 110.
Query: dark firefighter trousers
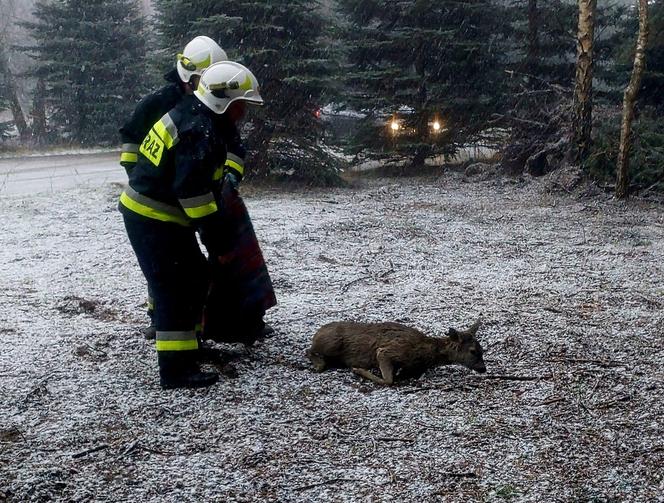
column 177, row 277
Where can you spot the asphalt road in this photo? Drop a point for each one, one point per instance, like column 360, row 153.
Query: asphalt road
column 39, row 174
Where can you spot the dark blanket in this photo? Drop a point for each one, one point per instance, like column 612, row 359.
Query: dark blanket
column 241, row 290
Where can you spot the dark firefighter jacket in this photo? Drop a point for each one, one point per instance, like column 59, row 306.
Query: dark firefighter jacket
column 151, row 108
column 148, row 111
column 180, row 163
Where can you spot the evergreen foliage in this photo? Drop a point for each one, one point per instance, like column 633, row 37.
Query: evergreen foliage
column 91, row 55
column 543, row 41
column 646, row 162
column 418, row 63
column 653, row 79
column 285, row 44
column 543, row 50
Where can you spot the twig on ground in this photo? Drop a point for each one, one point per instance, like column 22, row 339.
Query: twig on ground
column 351, row 283
column 130, row 448
column 551, row 401
column 389, row 271
column 394, row 439
column 518, row 378
column 90, row 451
column 599, row 363
column 429, row 388
column 460, row 475
column 326, row 482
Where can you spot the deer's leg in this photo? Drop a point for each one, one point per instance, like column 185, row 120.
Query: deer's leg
column 386, row 369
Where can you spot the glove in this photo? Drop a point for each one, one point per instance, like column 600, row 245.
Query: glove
column 232, row 179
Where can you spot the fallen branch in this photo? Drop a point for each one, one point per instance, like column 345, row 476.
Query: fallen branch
column 351, row 283
column 600, row 363
column 130, row 448
column 394, row 439
column 326, row 482
column 518, row 378
column 460, row 475
column 90, row 451
column 429, row 388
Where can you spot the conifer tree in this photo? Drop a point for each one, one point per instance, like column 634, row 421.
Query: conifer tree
column 91, row 57
column 282, row 42
column 653, row 78
column 427, row 74
column 543, row 40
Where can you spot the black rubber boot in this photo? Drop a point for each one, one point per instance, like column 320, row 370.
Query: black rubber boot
column 195, row 379
column 150, row 332
column 259, row 331
column 267, row 331
column 178, row 369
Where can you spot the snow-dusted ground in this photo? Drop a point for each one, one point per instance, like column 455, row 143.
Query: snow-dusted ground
column 570, row 289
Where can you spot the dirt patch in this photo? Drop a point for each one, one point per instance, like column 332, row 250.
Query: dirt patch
column 72, row 305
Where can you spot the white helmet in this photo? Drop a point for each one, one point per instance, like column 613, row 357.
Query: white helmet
column 198, row 54
column 225, row 82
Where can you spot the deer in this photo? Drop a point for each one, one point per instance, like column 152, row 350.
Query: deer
column 398, row 351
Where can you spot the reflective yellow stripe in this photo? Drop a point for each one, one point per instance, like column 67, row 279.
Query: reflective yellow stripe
column 199, row 206
column 218, row 173
column 201, row 211
column 128, row 157
column 165, row 128
column 246, row 85
column 203, row 64
column 237, row 167
column 187, row 345
column 150, row 212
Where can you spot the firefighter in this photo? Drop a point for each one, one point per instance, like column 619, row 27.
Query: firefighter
column 170, row 196
column 182, row 80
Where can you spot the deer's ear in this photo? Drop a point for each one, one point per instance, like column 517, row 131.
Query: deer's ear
column 473, row 329
column 453, row 334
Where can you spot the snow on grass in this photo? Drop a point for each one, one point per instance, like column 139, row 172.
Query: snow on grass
column 570, row 291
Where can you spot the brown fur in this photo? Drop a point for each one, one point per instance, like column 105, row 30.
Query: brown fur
column 395, row 349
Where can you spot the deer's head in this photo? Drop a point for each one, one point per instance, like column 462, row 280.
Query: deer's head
column 465, row 349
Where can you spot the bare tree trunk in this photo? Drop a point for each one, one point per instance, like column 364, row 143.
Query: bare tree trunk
column 9, row 85
column 532, row 56
column 583, row 88
column 422, row 120
column 629, row 99
column 39, row 112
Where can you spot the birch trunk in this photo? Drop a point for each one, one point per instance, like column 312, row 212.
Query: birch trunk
column 631, row 92
column 582, row 122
